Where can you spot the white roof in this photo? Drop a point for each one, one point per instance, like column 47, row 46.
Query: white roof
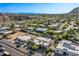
column 17, row 25
column 58, row 31
column 76, row 27
column 6, row 52
column 56, row 24
column 30, row 28
column 3, row 31
column 41, row 29
column 7, row 32
column 46, row 44
column 70, row 46
column 53, row 25
column 42, row 40
column 24, row 38
column 4, row 27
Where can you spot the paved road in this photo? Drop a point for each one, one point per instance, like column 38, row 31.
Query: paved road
column 11, row 50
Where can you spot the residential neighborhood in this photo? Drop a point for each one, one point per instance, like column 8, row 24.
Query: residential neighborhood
column 39, row 34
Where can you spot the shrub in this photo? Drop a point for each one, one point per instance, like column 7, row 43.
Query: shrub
column 34, row 47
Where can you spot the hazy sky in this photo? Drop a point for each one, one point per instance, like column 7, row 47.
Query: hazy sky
column 38, row 7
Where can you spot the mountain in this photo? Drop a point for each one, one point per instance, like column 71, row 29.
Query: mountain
column 25, row 13
column 74, row 11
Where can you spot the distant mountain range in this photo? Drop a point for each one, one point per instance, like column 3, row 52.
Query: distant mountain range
column 5, row 17
column 74, row 11
column 25, row 13
column 18, row 13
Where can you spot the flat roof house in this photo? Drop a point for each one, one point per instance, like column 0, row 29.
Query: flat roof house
column 67, row 48
column 23, row 39
column 54, row 25
column 5, row 30
column 40, row 29
column 77, row 28
column 28, row 29
column 42, row 41
column 58, row 31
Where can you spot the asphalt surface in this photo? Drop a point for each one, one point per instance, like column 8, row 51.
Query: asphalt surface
column 12, row 51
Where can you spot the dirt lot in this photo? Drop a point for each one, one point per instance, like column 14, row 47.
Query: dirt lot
column 12, row 37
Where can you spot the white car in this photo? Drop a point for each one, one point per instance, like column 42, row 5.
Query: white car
column 5, row 53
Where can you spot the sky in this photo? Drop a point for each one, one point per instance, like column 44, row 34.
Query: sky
column 49, row 8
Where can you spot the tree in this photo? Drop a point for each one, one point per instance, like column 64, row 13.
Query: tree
column 65, row 35
column 35, row 47
column 50, row 32
column 12, row 27
column 65, row 25
column 58, row 36
column 48, row 50
column 77, row 22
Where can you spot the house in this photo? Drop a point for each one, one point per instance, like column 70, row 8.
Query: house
column 2, row 31
column 18, row 29
column 28, row 29
column 54, row 25
column 58, row 31
column 42, row 41
column 17, row 26
column 67, row 48
column 5, row 30
column 40, row 29
column 77, row 28
column 37, row 54
column 23, row 39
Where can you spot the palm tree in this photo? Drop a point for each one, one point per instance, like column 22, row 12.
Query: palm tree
column 12, row 27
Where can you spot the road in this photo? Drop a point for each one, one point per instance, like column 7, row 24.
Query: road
column 13, row 51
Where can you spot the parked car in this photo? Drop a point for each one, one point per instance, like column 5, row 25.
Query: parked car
column 5, row 53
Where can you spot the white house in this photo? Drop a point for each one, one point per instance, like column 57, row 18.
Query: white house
column 23, row 39
column 42, row 41
column 30, row 28
column 66, row 47
column 5, row 30
column 77, row 28
column 58, row 31
column 41, row 29
column 54, row 25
